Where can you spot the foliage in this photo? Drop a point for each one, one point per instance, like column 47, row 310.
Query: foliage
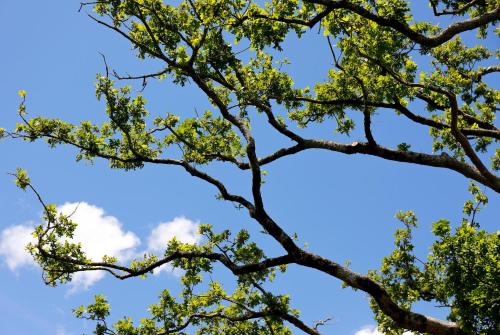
column 250, row 309
column 461, row 271
column 384, row 59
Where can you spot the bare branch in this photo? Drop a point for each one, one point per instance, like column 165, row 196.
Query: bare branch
column 323, row 322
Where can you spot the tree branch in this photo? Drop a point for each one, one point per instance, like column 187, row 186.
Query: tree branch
column 457, row 11
column 443, row 160
column 403, row 28
column 404, row 318
column 396, row 105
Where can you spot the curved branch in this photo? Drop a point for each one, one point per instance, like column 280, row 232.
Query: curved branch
column 403, row 28
column 457, row 11
column 124, row 272
column 250, row 315
column 469, row 151
column 404, row 318
column 456, row 132
column 478, row 75
column 310, row 23
column 443, row 160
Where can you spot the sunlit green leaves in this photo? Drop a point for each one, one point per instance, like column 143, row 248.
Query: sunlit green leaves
column 205, row 138
column 205, row 304
column 460, row 272
column 22, row 93
column 229, row 49
column 22, row 179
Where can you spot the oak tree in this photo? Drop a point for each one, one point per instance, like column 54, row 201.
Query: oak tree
column 383, row 59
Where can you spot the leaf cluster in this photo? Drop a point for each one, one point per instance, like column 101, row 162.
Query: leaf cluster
column 460, row 273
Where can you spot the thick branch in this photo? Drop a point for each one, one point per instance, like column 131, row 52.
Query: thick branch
column 404, row 318
column 443, row 160
column 469, row 151
column 456, row 132
column 403, row 28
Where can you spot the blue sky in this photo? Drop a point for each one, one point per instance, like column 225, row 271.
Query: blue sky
column 341, row 206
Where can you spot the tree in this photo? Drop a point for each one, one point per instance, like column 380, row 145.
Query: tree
column 374, row 47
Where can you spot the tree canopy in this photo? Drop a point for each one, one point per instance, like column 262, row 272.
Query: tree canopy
column 383, row 60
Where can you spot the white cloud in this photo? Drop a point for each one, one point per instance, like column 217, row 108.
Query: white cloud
column 99, row 235
column 13, row 243
column 181, row 228
column 372, row 330
column 368, row 330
